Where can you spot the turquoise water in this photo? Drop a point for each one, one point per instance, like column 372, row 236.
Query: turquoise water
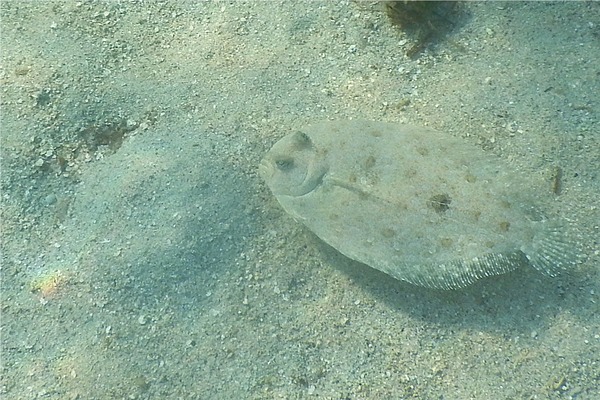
column 143, row 257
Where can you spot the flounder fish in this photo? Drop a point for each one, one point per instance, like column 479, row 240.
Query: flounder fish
column 417, row 204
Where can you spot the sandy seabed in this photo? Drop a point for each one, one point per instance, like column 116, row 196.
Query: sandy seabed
column 143, row 257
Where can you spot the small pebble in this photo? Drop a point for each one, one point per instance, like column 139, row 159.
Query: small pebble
column 533, row 334
column 50, row 199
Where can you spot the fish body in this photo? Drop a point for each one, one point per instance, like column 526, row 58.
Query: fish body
column 417, row 204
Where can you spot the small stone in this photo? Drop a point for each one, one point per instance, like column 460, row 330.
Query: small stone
column 534, row 334
column 131, row 124
column 142, row 320
column 50, row 199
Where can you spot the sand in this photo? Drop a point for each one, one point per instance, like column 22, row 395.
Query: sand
column 143, row 257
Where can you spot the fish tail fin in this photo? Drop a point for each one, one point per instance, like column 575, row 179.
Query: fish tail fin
column 557, row 247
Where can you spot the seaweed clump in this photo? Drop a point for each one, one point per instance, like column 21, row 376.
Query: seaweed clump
column 425, row 21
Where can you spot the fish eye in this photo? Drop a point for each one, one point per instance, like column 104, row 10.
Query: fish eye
column 285, row 164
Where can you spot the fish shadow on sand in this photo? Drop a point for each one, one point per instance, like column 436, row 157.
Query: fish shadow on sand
column 516, row 298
